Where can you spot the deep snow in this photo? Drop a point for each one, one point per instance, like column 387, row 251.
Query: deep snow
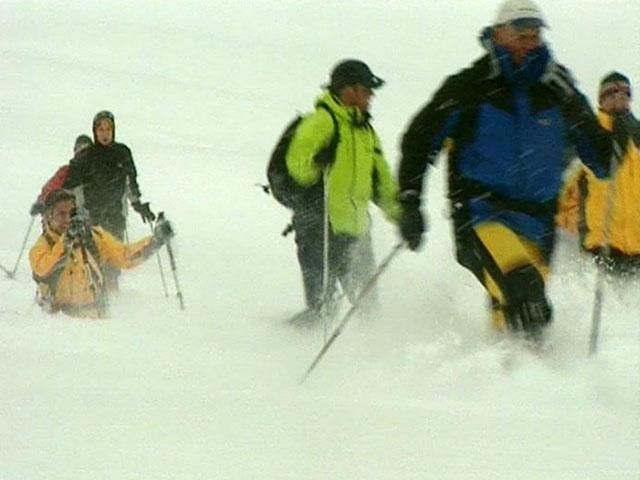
column 201, row 91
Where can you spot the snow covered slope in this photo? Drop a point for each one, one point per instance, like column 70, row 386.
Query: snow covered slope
column 201, row 90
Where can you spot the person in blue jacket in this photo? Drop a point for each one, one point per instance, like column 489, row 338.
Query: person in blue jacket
column 507, row 123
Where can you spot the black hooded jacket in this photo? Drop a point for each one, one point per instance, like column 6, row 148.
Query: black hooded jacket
column 104, row 178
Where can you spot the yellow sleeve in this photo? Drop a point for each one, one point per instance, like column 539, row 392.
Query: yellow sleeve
column 122, row 255
column 45, row 259
column 569, row 204
column 312, row 135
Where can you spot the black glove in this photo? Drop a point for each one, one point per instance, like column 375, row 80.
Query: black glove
column 144, row 211
column 163, row 231
column 36, row 209
column 560, row 81
column 412, row 222
column 78, row 228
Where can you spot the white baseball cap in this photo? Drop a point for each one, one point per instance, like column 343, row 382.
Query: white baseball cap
column 521, row 14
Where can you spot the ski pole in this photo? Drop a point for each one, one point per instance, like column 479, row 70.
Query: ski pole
column 12, row 274
column 97, row 289
column 596, row 317
column 164, row 282
column 172, row 262
column 363, row 293
column 325, row 254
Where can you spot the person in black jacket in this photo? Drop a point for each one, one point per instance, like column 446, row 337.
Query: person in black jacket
column 510, row 119
column 104, row 180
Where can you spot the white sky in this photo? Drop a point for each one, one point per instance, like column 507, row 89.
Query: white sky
column 201, row 91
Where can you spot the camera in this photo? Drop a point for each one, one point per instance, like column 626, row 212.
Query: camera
column 78, row 227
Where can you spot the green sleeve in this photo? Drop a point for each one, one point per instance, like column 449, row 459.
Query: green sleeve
column 312, row 135
column 386, row 188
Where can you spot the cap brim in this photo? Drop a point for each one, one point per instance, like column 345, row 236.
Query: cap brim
column 527, row 23
column 374, row 83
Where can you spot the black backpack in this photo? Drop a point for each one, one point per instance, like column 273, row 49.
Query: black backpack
column 284, row 188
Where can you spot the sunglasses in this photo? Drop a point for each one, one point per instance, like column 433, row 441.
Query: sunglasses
column 608, row 92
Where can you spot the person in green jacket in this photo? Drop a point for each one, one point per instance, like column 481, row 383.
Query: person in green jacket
column 354, row 173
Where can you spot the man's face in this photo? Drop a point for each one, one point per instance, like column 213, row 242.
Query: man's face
column 104, row 132
column 357, row 96
column 615, row 98
column 518, row 41
column 60, row 216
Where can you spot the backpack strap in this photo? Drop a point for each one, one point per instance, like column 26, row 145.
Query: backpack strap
column 336, row 129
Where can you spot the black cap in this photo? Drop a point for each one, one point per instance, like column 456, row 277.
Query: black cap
column 613, row 77
column 83, row 141
column 352, row 72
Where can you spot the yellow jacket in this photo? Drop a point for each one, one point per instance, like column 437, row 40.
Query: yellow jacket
column 584, row 202
column 73, row 283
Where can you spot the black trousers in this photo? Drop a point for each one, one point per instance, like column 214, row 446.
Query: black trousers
column 351, row 261
column 116, row 224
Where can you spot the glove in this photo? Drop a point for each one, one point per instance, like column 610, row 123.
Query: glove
column 412, row 222
column 77, row 228
column 163, row 231
column 559, row 80
column 144, row 211
column 36, row 209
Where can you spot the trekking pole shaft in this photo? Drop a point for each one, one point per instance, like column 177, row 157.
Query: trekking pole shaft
column 172, row 261
column 325, row 253
column 363, row 293
column 12, row 274
column 162, row 278
column 596, row 317
column 96, row 290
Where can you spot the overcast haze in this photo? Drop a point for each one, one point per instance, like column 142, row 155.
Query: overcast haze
column 201, row 91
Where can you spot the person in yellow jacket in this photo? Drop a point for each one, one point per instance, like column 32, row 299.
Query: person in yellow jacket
column 607, row 212
column 354, row 174
column 68, row 259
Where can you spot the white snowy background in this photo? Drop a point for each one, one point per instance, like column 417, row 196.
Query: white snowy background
column 201, row 90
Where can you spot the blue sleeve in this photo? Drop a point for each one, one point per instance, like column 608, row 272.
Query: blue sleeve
column 593, row 142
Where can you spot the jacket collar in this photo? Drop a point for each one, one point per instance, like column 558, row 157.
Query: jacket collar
column 605, row 119
column 51, row 236
column 352, row 115
column 502, row 64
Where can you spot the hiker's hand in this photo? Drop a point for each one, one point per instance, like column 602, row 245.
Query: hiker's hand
column 412, row 222
column 36, row 209
column 144, row 210
column 163, row 231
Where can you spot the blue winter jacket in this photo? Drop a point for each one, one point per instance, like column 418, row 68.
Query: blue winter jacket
column 510, row 136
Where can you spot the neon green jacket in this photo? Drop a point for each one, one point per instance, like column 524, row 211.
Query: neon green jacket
column 358, row 174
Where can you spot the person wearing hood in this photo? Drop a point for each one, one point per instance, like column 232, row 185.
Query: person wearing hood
column 104, row 180
column 606, row 213
column 506, row 123
column 354, row 174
